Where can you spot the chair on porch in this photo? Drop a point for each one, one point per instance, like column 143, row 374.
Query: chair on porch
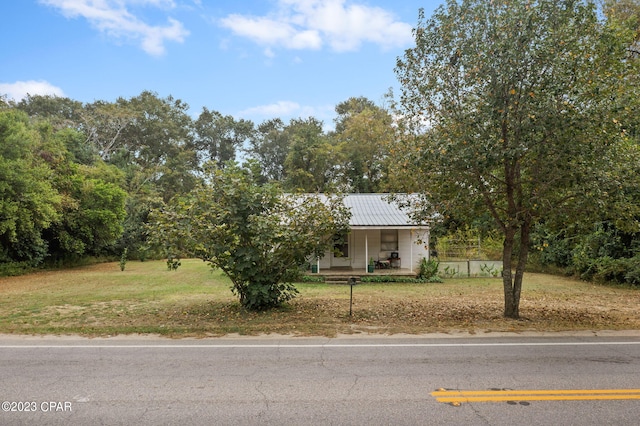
column 394, row 260
column 383, row 261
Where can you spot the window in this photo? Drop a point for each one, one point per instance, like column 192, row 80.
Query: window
column 341, row 250
column 389, row 240
column 341, row 246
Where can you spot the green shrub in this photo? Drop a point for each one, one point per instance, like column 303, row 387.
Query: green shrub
column 173, row 263
column 398, row 279
column 632, row 275
column 123, row 259
column 255, row 233
column 428, row 269
column 13, row 269
column 607, row 269
column 490, row 270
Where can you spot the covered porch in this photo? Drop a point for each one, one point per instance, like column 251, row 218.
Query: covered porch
column 376, row 250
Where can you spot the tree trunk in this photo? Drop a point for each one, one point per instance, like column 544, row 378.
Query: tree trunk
column 510, row 304
column 513, row 283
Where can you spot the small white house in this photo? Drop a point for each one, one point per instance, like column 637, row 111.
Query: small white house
column 381, row 232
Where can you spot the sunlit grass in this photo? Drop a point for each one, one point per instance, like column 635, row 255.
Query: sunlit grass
column 196, row 301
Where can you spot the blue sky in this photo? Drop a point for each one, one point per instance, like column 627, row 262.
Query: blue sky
column 250, row 59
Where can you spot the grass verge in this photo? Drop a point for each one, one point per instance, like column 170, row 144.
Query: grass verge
column 101, row 300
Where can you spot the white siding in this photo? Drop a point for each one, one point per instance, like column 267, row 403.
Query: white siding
column 411, row 249
column 420, row 247
column 360, row 240
column 325, row 262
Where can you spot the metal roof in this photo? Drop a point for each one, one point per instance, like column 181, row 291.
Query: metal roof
column 376, row 210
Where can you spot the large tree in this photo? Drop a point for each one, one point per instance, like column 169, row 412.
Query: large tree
column 29, row 203
column 103, row 124
column 154, row 148
column 363, row 134
column 522, row 108
column 310, row 164
column 218, row 137
column 59, row 111
column 347, row 109
column 256, row 234
column 269, row 145
column 51, row 206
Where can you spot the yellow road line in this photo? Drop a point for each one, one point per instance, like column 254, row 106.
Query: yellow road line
column 459, row 396
column 535, row 392
column 537, row 398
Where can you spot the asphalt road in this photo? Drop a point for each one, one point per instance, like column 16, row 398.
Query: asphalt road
column 348, row 381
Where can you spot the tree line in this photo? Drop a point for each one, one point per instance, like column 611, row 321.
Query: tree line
column 80, row 179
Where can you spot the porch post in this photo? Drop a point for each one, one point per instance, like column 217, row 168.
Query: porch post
column 366, row 251
column 428, row 244
column 411, row 244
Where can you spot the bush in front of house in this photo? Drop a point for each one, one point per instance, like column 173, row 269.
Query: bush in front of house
column 398, row 279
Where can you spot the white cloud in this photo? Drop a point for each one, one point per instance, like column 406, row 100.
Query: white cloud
column 287, row 110
column 278, row 109
column 272, row 32
column 113, row 18
column 20, row 89
column 311, row 24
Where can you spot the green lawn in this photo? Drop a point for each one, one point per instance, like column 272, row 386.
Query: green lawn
column 101, row 300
